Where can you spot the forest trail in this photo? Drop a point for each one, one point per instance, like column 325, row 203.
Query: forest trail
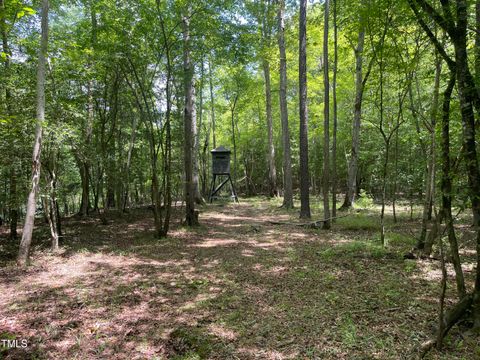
column 236, row 287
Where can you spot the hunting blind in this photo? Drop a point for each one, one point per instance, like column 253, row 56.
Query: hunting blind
column 221, row 168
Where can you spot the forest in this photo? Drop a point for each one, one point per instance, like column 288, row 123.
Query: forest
column 239, row 179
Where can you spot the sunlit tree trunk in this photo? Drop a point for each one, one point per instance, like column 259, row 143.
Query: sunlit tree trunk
column 287, row 159
column 32, row 197
column 302, row 74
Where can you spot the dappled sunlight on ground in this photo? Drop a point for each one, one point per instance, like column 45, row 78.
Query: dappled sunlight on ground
column 237, row 287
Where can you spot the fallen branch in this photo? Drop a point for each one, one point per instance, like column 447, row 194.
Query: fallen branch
column 314, row 224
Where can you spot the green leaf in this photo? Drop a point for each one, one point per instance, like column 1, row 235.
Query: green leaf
column 26, row 10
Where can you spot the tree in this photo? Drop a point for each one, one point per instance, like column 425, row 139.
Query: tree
column 302, row 75
column 469, row 98
column 335, row 110
column 287, row 160
column 266, row 36
column 37, row 147
column 360, row 83
column 189, row 132
column 326, row 122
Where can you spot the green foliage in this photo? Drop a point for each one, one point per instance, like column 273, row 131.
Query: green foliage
column 364, row 200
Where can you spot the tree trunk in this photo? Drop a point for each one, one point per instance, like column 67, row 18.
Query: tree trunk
column 129, row 161
column 326, row 123
column 302, row 74
column 198, row 129
column 335, row 110
column 395, row 176
column 212, row 102
column 446, row 187
column 272, row 171
column 49, row 201
column 357, row 115
column 189, row 122
column 234, row 139
column 13, row 203
column 430, row 181
column 467, row 96
column 195, row 138
column 13, row 196
column 32, row 197
column 287, row 159
column 84, row 176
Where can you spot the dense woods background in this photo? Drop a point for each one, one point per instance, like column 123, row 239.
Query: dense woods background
column 339, row 102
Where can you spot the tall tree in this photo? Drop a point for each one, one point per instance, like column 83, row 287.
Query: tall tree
column 37, row 147
column 189, row 132
column 335, row 110
column 446, row 187
column 469, row 97
column 360, row 83
column 212, row 102
column 266, row 38
column 13, row 196
column 302, row 77
column 431, row 165
column 326, row 121
column 287, row 159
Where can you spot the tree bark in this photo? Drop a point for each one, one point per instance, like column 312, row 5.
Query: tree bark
column 357, row 115
column 335, row 111
column 32, row 197
column 234, row 138
column 326, row 122
column 287, row 159
column 302, row 74
column 13, row 196
column 128, row 163
column 467, row 96
column 430, row 181
column 446, row 188
column 189, row 122
column 13, row 203
column 198, row 129
column 212, row 103
column 272, row 171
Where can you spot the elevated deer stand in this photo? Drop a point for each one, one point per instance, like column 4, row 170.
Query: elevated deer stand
column 221, row 168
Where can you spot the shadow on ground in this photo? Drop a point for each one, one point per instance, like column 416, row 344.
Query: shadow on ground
column 237, row 287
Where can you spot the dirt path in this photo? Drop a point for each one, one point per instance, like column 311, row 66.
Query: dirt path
column 235, row 288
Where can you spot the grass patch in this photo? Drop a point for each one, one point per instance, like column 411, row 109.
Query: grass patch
column 359, row 222
column 400, row 240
